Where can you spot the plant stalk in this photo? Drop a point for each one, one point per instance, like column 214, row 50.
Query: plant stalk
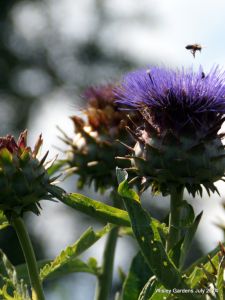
column 176, row 197
column 25, row 242
column 105, row 278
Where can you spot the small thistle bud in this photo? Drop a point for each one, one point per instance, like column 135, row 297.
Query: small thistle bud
column 24, row 181
column 182, row 113
column 94, row 148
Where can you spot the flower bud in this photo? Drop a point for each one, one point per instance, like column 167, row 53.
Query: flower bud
column 24, row 180
column 94, row 147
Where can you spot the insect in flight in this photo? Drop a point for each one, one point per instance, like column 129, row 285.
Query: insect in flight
column 193, row 48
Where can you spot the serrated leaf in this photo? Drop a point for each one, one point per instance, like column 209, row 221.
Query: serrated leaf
column 150, row 243
column 73, row 266
column 138, row 275
column 88, row 238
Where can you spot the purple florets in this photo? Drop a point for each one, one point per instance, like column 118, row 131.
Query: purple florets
column 175, row 99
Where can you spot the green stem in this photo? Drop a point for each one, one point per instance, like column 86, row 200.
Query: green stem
column 105, row 278
column 25, row 242
column 176, row 198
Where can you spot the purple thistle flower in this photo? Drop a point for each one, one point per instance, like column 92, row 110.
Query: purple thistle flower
column 182, row 112
column 175, row 99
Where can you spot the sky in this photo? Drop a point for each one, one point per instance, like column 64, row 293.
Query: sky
column 162, row 38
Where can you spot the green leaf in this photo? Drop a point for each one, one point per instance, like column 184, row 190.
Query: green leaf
column 220, row 281
column 187, row 214
column 138, row 275
column 22, row 272
column 72, row 266
column 66, row 257
column 96, row 209
column 13, row 288
column 150, row 243
column 175, row 252
column 202, row 272
column 123, row 189
column 100, row 211
column 204, row 260
column 148, row 289
column 189, row 235
column 3, row 220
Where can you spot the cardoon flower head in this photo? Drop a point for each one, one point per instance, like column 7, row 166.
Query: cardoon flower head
column 24, row 180
column 93, row 148
column 178, row 143
column 102, row 111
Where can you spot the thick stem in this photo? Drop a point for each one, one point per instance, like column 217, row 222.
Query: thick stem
column 36, row 286
column 176, row 198
column 105, row 278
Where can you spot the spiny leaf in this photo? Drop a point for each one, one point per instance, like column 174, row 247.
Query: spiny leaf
column 88, row 238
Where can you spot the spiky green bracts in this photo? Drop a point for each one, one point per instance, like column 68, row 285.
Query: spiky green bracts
column 24, row 179
column 178, row 143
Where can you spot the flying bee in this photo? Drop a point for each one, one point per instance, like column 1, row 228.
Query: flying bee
column 193, row 48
